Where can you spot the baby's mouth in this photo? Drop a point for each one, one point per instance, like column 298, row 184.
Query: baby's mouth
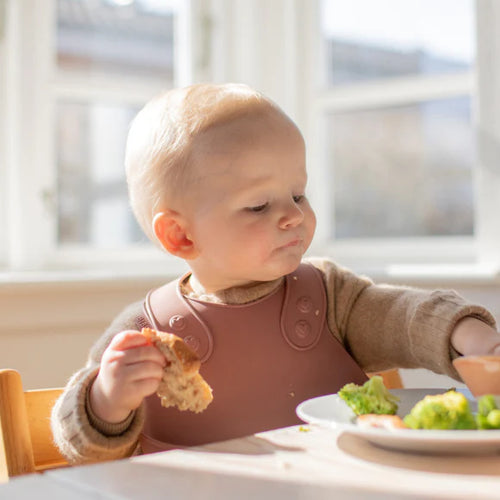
column 292, row 243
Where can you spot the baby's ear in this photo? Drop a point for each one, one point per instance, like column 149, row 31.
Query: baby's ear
column 170, row 228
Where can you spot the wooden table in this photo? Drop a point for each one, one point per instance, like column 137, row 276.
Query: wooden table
column 292, row 463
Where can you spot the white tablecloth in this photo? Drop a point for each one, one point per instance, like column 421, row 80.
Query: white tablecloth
column 296, row 462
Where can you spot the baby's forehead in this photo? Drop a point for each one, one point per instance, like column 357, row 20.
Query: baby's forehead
column 241, row 143
column 242, row 130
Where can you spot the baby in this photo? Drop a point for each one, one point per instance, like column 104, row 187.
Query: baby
column 217, row 176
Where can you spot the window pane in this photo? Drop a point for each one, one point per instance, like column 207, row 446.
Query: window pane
column 93, row 201
column 117, row 36
column 372, row 39
column 403, row 171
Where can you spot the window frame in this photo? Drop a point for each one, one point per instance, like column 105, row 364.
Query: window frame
column 28, row 49
column 369, row 253
column 4, row 179
column 272, row 46
column 26, row 137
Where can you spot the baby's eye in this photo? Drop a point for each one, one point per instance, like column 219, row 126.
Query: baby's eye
column 258, row 208
column 298, row 198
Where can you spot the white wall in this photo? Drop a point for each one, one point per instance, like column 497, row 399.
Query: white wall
column 46, row 329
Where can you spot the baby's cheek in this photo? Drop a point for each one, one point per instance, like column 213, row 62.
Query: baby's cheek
column 262, row 242
column 255, row 249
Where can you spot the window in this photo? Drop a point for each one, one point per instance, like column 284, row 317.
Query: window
column 393, row 39
column 95, row 63
column 396, row 100
column 93, row 204
column 403, row 170
column 96, row 41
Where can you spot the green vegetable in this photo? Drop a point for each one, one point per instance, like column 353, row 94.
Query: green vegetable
column 371, row 397
column 488, row 412
column 450, row 410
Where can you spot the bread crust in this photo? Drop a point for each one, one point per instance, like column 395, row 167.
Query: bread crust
column 182, row 385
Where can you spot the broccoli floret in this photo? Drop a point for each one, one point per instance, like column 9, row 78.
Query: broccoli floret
column 450, row 410
column 371, row 397
column 488, row 412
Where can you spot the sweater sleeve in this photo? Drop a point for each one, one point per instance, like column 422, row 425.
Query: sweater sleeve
column 385, row 326
column 80, row 438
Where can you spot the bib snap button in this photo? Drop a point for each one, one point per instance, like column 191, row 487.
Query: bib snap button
column 177, row 322
column 302, row 329
column 304, row 304
column 192, row 342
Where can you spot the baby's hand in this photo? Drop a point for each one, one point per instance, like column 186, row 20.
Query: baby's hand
column 131, row 369
column 473, row 337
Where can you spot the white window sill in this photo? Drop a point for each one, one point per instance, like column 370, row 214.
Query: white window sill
column 475, row 274
column 116, row 275
column 446, row 274
column 80, row 267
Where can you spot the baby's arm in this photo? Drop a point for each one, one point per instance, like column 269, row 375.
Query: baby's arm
column 81, row 435
column 472, row 336
column 386, row 326
column 131, row 369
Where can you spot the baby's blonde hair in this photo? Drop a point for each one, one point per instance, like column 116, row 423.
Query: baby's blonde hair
column 161, row 138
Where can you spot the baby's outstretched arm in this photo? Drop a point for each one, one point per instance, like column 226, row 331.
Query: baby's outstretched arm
column 131, row 368
column 472, row 336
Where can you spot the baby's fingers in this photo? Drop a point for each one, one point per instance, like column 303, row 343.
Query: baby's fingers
column 128, row 339
column 145, row 369
column 147, row 353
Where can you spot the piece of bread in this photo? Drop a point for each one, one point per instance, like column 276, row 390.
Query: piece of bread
column 182, row 385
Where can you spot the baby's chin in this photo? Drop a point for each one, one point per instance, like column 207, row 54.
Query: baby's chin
column 284, row 268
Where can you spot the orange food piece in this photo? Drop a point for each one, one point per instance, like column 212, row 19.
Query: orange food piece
column 381, row 421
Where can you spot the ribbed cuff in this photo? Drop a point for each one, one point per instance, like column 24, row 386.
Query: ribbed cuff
column 106, row 428
column 440, row 315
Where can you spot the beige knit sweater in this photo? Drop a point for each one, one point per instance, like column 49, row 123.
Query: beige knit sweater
column 382, row 327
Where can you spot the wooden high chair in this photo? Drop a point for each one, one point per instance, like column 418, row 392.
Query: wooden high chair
column 26, row 443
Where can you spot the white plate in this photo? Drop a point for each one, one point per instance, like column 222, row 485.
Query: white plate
column 331, row 411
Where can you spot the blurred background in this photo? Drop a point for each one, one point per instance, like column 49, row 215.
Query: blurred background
column 425, row 146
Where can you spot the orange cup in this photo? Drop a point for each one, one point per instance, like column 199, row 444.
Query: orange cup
column 481, row 374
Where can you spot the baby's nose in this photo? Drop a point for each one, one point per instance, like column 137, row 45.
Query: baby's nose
column 291, row 217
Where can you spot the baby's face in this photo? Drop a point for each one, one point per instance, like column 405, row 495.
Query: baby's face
column 249, row 217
